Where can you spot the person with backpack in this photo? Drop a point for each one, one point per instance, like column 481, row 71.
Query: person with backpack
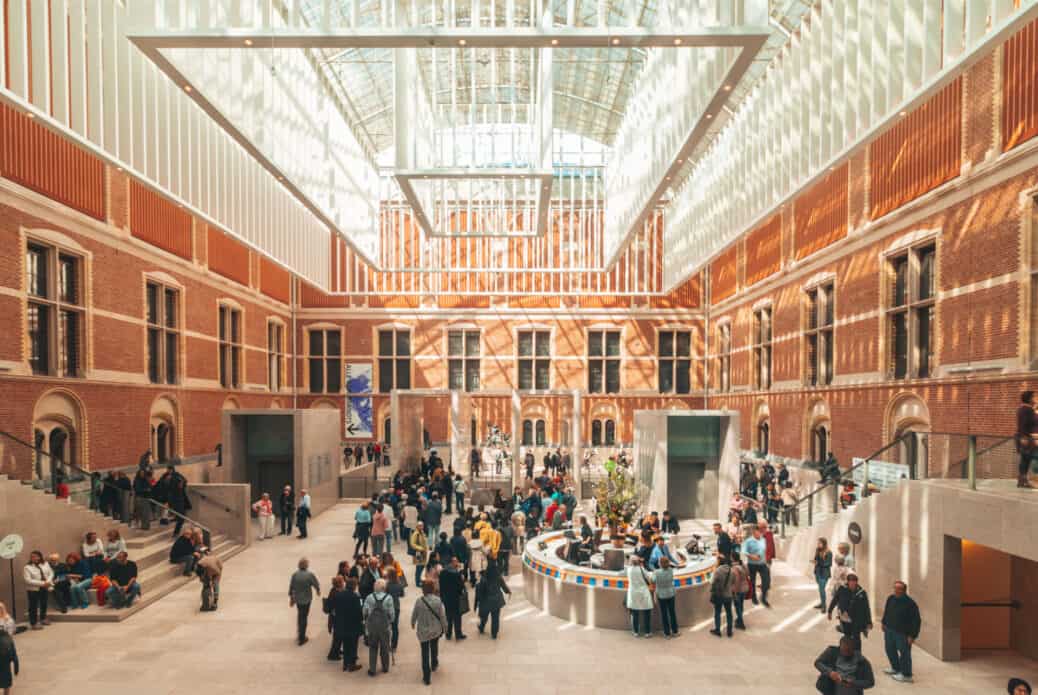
column 721, row 588
column 844, row 670
column 379, row 614
column 739, row 590
column 430, row 622
column 852, row 604
column 490, row 599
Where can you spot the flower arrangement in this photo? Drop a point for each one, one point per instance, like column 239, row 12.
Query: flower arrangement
column 619, row 496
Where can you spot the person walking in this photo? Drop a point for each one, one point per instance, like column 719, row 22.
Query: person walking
column 639, row 598
column 823, row 567
column 419, row 545
column 362, row 529
column 756, row 550
column 395, row 588
column 379, row 529
column 663, row 578
column 460, row 489
column 349, row 624
column 1026, row 437
column 739, row 589
column 721, row 587
column 379, row 614
column 39, row 578
column 901, row 624
column 286, row 510
column 455, row 598
column 264, row 509
column 301, row 588
column 855, row 614
column 429, row 621
column 432, row 515
column 303, row 513
column 490, row 599
column 844, row 670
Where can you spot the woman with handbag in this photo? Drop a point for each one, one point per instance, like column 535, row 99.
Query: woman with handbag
column 430, row 621
column 640, row 590
column 490, row 599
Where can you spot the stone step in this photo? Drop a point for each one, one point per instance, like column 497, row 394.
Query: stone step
column 154, row 588
column 158, row 551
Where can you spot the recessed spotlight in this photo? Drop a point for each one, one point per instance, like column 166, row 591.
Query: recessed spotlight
column 677, row 42
column 248, row 42
column 616, row 41
column 680, row 160
column 709, row 116
column 118, row 168
column 728, row 88
column 903, row 114
column 30, row 114
column 187, row 88
column 554, row 42
column 462, row 42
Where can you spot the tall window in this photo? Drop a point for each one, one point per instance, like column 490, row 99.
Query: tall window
column 534, row 433
column 603, row 361
column 325, row 361
column 394, row 359
column 275, row 355
column 463, row 360
column 603, row 433
column 724, row 358
column 55, row 311
column 163, row 310
column 230, row 347
column 762, row 348
column 820, row 443
column 675, row 361
column 534, row 360
column 818, row 335
column 911, row 312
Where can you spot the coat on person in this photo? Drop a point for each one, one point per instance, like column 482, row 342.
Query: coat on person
column 830, row 660
column 452, row 584
column 349, row 614
column 853, row 605
column 639, row 595
column 428, row 617
column 490, row 592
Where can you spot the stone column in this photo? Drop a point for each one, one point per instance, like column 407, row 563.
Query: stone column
column 460, row 431
column 517, row 430
column 576, row 454
column 407, row 447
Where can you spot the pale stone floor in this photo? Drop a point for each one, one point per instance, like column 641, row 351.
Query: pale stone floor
column 248, row 646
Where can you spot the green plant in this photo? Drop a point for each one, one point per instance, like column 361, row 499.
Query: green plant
column 620, row 496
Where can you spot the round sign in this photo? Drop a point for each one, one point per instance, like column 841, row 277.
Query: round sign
column 10, row 546
column 854, row 532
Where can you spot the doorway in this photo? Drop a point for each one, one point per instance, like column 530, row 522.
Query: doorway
column 269, row 447
column 691, row 488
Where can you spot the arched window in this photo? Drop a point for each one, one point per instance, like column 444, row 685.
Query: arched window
column 596, row 433
column 527, row 432
column 387, row 431
column 820, row 442
column 541, row 435
column 610, row 433
column 763, row 437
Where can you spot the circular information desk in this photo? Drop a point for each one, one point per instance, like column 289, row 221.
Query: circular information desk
column 595, row 597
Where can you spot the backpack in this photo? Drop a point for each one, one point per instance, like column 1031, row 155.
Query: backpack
column 378, row 620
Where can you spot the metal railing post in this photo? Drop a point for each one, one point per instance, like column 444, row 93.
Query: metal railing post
column 865, row 484
column 971, row 461
column 836, row 496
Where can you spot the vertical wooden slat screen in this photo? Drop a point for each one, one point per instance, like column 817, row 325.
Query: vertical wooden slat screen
column 159, row 222
column 1020, row 87
column 684, row 296
column 820, row 214
column 723, row 276
column 764, row 251
column 919, row 153
column 41, row 160
column 228, row 257
column 275, row 281
column 312, row 298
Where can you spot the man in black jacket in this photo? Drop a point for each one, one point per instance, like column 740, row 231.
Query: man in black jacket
column 452, row 586
column 724, row 541
column 142, row 498
column 854, row 611
column 286, row 510
column 901, row 624
column 848, row 670
column 349, row 623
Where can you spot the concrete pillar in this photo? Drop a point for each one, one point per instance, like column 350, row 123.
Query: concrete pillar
column 576, row 445
column 407, row 447
column 460, row 431
column 517, row 431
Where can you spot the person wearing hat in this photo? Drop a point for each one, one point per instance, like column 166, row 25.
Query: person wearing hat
column 1018, row 686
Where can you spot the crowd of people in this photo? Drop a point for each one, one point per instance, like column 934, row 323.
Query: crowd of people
column 287, row 510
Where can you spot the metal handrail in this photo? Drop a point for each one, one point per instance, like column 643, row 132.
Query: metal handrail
column 206, row 531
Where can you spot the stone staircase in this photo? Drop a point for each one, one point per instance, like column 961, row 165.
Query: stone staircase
column 149, row 549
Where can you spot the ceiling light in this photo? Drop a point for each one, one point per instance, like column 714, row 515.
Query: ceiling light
column 677, row 42
column 461, row 42
column 728, row 88
column 118, row 168
column 680, row 160
column 903, row 114
column 248, row 42
column 616, row 41
column 554, row 42
column 709, row 116
column 187, row 88
column 30, row 114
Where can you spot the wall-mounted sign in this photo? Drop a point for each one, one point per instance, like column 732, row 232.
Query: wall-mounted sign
column 10, row 546
column 854, row 532
column 359, row 419
column 358, row 377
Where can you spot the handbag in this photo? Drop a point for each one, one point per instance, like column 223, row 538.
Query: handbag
column 463, row 601
column 825, row 685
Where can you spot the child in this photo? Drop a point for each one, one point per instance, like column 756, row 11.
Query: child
column 100, row 583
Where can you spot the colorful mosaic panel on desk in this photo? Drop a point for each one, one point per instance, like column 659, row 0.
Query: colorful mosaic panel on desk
column 580, row 575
